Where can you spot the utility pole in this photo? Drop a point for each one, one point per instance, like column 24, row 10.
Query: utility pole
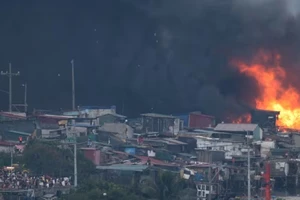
column 249, row 171
column 10, row 75
column 209, row 176
column 25, row 97
column 75, row 164
column 11, row 157
column 25, row 105
column 73, row 85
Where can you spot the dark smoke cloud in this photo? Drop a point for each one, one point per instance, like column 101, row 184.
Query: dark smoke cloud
column 148, row 55
column 197, row 39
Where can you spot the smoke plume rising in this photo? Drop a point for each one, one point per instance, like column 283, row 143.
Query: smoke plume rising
column 147, row 55
column 196, row 40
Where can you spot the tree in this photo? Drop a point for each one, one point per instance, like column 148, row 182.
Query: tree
column 51, row 158
column 4, row 159
column 100, row 190
column 166, row 186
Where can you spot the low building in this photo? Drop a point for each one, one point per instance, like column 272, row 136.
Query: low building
column 91, row 111
column 13, row 129
column 230, row 147
column 6, row 147
column 119, row 130
column 54, row 133
column 169, row 144
column 162, row 124
column 210, row 156
column 197, row 120
column 110, row 118
column 92, row 154
column 6, row 116
column 48, row 121
column 266, row 119
column 243, row 129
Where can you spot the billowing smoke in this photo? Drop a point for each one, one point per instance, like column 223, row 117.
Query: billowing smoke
column 146, row 55
column 195, row 41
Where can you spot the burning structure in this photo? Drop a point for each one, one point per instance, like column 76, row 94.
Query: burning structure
column 266, row 119
column 275, row 91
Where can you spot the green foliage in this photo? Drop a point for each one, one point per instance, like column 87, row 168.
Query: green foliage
column 98, row 190
column 4, row 159
column 46, row 158
column 166, row 186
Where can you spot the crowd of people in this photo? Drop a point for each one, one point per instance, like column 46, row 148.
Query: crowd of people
column 10, row 179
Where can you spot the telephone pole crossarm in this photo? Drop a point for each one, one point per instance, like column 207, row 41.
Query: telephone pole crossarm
column 10, row 75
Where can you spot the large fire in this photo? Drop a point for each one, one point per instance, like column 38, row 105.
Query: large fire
column 274, row 94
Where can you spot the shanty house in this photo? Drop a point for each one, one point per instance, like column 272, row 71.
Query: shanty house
column 110, row 118
column 91, row 111
column 169, row 144
column 6, row 116
column 13, row 129
column 243, row 129
column 92, row 154
column 196, row 120
column 266, row 119
column 82, row 126
column 162, row 124
column 230, row 147
column 48, row 121
column 6, row 146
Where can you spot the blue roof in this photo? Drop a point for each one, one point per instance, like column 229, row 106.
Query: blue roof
column 184, row 118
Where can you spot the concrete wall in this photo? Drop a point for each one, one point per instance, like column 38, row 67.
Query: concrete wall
column 123, row 130
column 210, row 156
column 296, row 139
column 107, row 119
column 92, row 155
column 93, row 113
column 5, row 149
column 160, row 125
column 258, row 133
column 230, row 148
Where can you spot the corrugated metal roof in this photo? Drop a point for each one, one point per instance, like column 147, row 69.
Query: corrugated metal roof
column 158, row 115
column 124, row 167
column 85, row 125
column 200, row 114
column 168, row 141
column 96, row 107
column 4, row 143
column 14, row 114
column 57, row 117
column 235, row 127
column 115, row 115
column 19, row 132
column 173, row 141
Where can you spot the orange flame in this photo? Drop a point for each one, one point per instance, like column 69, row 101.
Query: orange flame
column 246, row 118
column 274, row 95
